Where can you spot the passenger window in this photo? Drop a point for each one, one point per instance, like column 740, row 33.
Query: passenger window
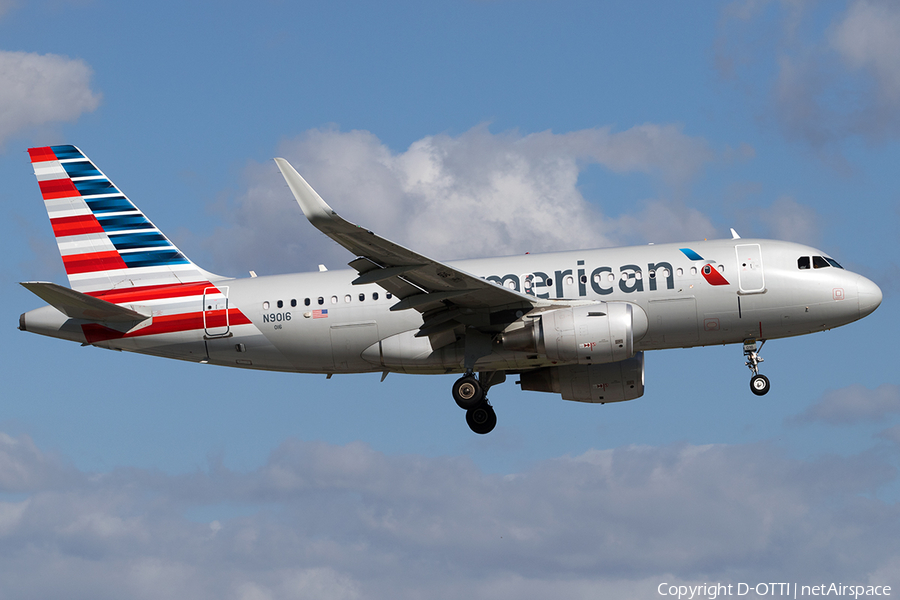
column 334, row 299
column 293, row 302
column 693, row 270
column 280, row 304
column 362, row 297
column 266, row 305
column 819, row 263
column 321, row 300
column 374, row 295
column 347, row 298
column 389, row 296
column 306, row 301
column 721, row 268
column 803, row 262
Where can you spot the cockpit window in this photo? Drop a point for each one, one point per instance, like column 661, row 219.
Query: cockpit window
column 833, row 263
column 803, row 262
column 819, row 262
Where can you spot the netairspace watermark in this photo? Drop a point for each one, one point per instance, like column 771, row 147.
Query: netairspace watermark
column 711, row 591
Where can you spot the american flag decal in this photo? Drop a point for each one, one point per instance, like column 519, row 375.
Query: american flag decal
column 320, row 314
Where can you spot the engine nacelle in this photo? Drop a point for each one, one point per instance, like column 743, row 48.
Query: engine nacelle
column 598, row 333
column 611, row 382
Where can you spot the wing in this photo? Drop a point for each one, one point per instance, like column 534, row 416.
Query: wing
column 447, row 297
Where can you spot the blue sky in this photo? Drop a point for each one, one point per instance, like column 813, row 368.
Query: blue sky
column 460, row 129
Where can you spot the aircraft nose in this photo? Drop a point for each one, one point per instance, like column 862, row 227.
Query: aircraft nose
column 869, row 296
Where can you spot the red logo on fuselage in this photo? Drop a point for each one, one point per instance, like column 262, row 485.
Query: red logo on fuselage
column 713, row 276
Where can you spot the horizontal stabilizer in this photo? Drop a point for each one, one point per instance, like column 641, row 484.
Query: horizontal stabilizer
column 76, row 305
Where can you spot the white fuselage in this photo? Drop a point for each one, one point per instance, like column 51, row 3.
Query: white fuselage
column 696, row 294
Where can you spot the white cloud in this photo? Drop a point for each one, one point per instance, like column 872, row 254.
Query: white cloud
column 476, row 194
column 852, row 404
column 868, row 37
column 36, row 89
column 832, row 78
column 325, row 521
column 787, row 219
column 24, row 467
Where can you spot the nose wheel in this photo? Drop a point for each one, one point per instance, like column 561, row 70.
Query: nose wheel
column 470, row 394
column 759, row 384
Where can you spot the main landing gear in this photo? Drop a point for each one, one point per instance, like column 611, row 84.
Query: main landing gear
column 759, row 384
column 470, row 394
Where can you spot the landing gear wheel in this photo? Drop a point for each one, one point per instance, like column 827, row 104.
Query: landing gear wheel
column 759, row 384
column 467, row 392
column 482, row 419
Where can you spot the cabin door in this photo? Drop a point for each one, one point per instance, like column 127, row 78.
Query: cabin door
column 750, row 269
column 215, row 312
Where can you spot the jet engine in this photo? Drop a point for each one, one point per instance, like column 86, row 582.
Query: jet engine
column 603, row 332
column 611, row 382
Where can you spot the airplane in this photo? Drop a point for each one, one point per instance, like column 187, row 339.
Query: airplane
column 574, row 323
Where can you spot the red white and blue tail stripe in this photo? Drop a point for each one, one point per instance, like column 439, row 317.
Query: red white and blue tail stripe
column 105, row 241
column 114, row 254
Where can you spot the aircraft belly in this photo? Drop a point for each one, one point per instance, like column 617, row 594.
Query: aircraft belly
column 672, row 323
column 308, row 350
column 246, row 348
column 348, row 341
column 406, row 353
column 183, row 345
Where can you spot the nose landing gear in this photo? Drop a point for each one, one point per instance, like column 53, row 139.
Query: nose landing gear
column 759, row 384
column 470, row 394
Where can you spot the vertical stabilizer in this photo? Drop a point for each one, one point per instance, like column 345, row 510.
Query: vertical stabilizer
column 105, row 241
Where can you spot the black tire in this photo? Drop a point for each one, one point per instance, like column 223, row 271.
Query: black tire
column 467, row 392
column 759, row 385
column 482, row 419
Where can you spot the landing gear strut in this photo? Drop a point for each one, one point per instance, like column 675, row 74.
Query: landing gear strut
column 470, row 394
column 759, row 384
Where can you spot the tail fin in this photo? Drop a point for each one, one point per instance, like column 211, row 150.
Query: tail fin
column 105, row 241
